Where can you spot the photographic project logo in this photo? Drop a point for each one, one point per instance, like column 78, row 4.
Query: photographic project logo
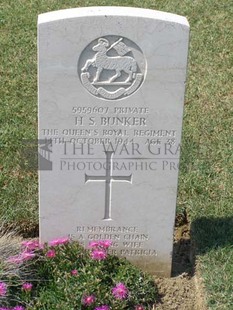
column 36, row 155
column 44, row 154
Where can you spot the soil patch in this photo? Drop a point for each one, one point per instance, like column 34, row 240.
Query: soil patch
column 183, row 291
column 176, row 293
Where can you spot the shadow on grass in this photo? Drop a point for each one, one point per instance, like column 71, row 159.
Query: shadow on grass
column 205, row 235
column 211, row 233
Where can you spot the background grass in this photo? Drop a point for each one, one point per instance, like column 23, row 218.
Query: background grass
column 205, row 181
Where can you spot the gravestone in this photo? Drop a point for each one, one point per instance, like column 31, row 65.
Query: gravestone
column 111, row 95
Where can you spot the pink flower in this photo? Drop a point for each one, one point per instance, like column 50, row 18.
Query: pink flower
column 4, row 308
column 104, row 307
column 15, row 260
column 98, row 254
column 31, row 245
column 139, row 307
column 93, row 244
column 3, row 289
column 88, row 300
column 59, row 241
column 19, row 259
column 120, row 291
column 25, row 256
column 27, row 286
column 51, row 253
column 100, row 244
column 105, row 243
column 18, row 308
column 74, row 272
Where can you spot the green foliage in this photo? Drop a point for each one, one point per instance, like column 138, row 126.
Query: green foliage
column 55, row 287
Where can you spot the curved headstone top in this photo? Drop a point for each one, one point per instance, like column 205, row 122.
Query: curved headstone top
column 111, row 11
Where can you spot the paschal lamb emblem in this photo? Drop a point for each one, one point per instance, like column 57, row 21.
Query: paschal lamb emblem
column 112, row 67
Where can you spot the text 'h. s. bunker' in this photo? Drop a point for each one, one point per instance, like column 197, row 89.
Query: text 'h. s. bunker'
column 111, row 94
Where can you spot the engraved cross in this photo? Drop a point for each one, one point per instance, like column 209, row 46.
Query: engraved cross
column 108, row 179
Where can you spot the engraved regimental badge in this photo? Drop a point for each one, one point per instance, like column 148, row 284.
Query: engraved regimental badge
column 112, row 67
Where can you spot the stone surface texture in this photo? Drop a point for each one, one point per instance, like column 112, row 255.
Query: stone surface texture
column 111, row 96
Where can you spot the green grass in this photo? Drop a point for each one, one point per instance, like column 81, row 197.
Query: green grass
column 205, row 178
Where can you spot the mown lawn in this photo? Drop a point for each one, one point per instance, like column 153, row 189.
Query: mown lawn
column 205, row 181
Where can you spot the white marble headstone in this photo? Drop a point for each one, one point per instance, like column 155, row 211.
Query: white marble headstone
column 111, row 95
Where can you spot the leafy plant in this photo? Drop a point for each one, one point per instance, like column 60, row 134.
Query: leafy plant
column 63, row 275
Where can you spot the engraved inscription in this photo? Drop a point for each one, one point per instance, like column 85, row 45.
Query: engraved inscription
column 126, row 240
column 112, row 67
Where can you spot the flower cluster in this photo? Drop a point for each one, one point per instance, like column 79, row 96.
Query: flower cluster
column 59, row 241
column 120, row 291
column 69, row 262
column 3, row 292
column 28, row 252
column 54, row 243
column 22, row 257
column 99, row 249
column 31, row 245
column 29, row 248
